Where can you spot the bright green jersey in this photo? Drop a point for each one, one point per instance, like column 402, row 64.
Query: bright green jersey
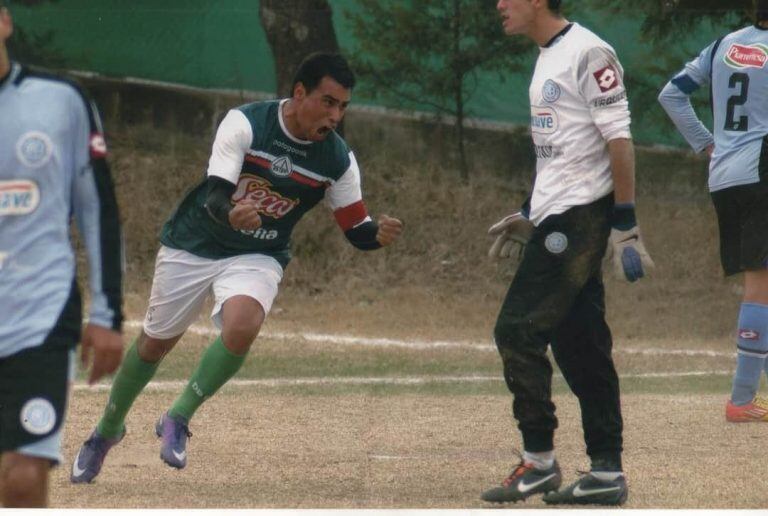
column 285, row 176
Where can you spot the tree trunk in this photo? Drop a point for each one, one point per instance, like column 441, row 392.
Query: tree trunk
column 296, row 28
column 458, row 91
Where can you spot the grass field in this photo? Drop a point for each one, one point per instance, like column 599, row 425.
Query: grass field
column 403, row 423
column 334, row 422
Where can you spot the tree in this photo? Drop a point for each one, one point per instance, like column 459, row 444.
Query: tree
column 296, row 28
column 34, row 49
column 663, row 20
column 664, row 27
column 426, row 54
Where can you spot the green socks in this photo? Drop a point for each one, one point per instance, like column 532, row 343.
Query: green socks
column 217, row 365
column 133, row 376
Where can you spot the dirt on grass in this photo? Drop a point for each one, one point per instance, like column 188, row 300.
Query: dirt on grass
column 252, row 449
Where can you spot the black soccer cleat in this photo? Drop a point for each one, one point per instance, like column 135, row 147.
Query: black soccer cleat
column 590, row 490
column 524, row 481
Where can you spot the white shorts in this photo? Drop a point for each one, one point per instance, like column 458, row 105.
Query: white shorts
column 183, row 281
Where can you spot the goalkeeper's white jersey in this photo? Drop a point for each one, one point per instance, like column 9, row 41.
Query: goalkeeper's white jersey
column 578, row 104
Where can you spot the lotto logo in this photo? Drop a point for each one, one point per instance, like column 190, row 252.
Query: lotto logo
column 606, row 78
column 98, row 146
column 749, row 334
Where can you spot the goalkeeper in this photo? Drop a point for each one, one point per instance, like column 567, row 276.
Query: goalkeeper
column 583, row 195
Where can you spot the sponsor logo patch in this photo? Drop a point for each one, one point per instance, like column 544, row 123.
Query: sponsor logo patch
column 607, row 78
column 282, row 166
column 98, row 146
column 749, row 335
column 746, row 56
column 556, row 242
column 38, row 417
column 289, row 148
column 34, row 149
column 18, row 197
column 544, row 120
column 547, row 151
column 551, row 91
column 607, row 101
column 268, row 202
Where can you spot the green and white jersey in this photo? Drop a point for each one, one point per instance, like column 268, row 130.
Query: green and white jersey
column 286, row 177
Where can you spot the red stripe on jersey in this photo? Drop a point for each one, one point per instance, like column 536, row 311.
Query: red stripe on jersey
column 265, row 163
column 305, row 180
column 350, row 216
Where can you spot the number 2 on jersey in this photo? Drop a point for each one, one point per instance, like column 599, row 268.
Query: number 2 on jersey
column 740, row 80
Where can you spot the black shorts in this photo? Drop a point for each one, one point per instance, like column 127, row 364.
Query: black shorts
column 742, row 215
column 33, row 394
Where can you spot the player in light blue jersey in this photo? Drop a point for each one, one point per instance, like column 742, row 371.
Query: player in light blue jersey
column 52, row 166
column 736, row 69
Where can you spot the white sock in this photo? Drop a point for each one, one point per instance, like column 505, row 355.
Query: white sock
column 607, row 475
column 540, row 460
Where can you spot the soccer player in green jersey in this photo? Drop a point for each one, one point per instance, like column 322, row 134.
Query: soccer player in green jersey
column 271, row 163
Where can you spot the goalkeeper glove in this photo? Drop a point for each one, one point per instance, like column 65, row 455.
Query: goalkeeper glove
column 511, row 231
column 630, row 259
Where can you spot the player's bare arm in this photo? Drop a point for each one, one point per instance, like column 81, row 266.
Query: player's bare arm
column 622, row 154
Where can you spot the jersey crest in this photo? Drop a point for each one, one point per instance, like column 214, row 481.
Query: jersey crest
column 34, row 149
column 281, row 167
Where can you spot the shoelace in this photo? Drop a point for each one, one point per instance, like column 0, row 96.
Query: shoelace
column 520, row 470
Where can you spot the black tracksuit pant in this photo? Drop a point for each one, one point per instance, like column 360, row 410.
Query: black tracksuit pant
column 557, row 298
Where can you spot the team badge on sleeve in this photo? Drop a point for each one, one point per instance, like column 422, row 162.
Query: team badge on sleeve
column 607, row 78
column 98, row 146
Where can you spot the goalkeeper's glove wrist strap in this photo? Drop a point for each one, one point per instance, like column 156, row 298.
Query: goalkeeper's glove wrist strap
column 623, row 217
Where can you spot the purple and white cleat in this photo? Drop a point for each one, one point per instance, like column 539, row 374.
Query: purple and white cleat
column 174, row 432
column 90, row 457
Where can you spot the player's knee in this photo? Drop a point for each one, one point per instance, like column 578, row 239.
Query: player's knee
column 239, row 334
column 154, row 350
column 24, row 483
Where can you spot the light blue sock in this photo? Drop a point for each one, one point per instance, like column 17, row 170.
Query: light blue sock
column 752, row 351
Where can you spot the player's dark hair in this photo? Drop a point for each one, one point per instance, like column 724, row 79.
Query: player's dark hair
column 554, row 5
column 321, row 64
column 761, row 10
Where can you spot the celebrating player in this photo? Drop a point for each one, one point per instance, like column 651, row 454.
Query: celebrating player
column 271, row 163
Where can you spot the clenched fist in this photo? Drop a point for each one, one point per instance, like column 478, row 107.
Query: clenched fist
column 389, row 230
column 245, row 215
